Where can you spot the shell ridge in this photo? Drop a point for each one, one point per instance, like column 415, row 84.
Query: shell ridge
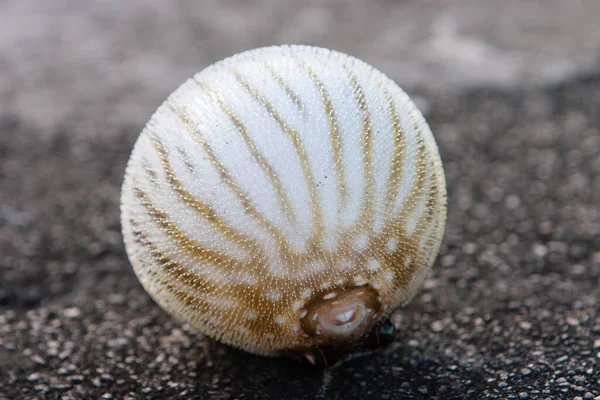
column 261, row 160
column 287, row 89
column 300, row 151
column 398, row 156
column 334, row 134
column 367, row 213
column 226, row 177
column 179, row 239
column 202, row 208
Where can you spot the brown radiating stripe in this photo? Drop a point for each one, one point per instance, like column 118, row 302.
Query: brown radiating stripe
column 186, row 159
column 425, row 169
column 194, row 305
column 397, row 158
column 416, row 191
column 184, row 243
column 430, row 225
column 226, row 177
column 205, row 210
column 176, row 270
column 286, row 87
column 334, row 135
column 173, row 268
column 149, row 172
column 284, row 201
column 367, row 216
column 304, row 160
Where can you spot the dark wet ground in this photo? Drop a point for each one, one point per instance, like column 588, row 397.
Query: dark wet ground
column 511, row 311
column 512, row 308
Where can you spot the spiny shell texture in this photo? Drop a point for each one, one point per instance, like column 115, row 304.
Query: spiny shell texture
column 284, row 199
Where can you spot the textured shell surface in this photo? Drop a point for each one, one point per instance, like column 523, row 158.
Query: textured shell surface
column 283, row 199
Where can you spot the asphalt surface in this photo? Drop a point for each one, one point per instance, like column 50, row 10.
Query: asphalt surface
column 511, row 310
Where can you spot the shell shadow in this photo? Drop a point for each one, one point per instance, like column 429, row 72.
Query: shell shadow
column 397, row 371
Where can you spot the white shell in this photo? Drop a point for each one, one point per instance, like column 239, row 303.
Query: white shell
column 277, row 176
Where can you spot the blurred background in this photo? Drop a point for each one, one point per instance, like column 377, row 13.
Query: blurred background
column 512, row 93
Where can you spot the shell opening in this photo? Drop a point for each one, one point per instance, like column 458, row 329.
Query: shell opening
column 342, row 319
column 346, row 317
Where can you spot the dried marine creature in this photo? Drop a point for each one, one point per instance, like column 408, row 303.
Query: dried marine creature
column 285, row 201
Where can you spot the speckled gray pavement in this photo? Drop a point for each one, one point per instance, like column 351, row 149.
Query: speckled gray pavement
column 512, row 92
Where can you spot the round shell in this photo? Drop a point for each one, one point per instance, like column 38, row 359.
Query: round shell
column 284, row 199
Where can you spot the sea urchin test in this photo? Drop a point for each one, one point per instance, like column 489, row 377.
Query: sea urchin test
column 285, row 201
